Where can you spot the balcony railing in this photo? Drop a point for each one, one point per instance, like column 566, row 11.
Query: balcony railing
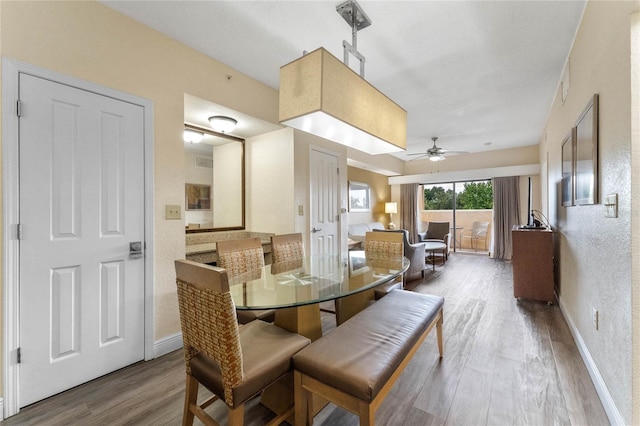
column 464, row 223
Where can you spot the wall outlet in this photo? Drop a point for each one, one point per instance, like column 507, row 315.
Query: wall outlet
column 300, row 210
column 594, row 317
column 172, row 212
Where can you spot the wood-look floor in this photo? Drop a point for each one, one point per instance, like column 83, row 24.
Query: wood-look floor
column 505, row 363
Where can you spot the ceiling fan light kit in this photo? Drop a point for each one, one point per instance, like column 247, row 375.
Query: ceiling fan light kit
column 323, row 96
column 435, row 153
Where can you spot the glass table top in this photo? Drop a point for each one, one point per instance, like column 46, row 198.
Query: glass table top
column 313, row 279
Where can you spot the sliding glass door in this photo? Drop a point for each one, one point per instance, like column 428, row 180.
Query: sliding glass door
column 467, row 206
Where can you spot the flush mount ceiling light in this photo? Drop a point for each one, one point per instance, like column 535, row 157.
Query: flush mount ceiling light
column 222, row 124
column 323, row 96
column 192, row 136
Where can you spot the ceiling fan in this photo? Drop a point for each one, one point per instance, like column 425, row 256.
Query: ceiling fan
column 435, row 153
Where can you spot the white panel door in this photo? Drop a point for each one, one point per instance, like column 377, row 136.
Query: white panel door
column 325, row 203
column 81, row 205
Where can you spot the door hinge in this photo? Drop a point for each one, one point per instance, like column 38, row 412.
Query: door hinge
column 338, row 170
column 19, row 231
column 19, row 355
column 19, row 108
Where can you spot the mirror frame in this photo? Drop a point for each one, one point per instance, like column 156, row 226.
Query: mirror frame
column 232, row 138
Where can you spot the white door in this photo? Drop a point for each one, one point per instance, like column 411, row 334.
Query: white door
column 81, row 205
column 325, row 203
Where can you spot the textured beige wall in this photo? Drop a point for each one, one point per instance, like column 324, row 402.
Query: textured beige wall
column 270, row 180
column 91, row 42
column 635, row 207
column 595, row 260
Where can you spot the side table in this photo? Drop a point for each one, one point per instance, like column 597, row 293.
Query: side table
column 433, row 247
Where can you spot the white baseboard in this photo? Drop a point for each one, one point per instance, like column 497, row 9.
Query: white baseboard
column 603, row 392
column 167, row 344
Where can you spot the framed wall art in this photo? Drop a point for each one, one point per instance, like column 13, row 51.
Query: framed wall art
column 586, row 155
column 197, row 197
column 568, row 169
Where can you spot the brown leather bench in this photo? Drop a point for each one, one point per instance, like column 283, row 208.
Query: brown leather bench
column 356, row 365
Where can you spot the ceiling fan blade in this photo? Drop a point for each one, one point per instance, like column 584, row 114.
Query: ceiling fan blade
column 418, row 153
column 447, row 152
column 417, row 158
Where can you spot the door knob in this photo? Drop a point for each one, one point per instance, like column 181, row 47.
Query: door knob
column 135, row 249
column 314, row 229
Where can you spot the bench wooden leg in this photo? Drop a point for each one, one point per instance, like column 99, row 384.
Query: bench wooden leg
column 300, row 401
column 366, row 414
column 439, row 334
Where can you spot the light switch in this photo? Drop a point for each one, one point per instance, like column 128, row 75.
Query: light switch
column 172, row 212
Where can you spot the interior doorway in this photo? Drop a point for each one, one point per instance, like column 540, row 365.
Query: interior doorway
column 80, row 114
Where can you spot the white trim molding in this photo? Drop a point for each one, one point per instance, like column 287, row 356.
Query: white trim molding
column 11, row 70
column 465, row 175
column 167, row 344
column 615, row 418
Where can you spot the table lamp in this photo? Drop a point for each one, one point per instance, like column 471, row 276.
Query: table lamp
column 391, row 208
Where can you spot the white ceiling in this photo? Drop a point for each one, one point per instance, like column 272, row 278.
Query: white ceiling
column 481, row 75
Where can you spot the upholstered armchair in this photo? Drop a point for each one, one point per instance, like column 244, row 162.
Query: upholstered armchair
column 440, row 232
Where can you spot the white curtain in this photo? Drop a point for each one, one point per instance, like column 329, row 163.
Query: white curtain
column 506, row 214
column 409, row 217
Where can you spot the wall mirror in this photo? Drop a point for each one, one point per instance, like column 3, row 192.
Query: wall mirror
column 214, row 182
column 586, row 155
column 568, row 146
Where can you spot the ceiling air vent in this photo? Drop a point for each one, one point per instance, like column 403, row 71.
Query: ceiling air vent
column 204, row 162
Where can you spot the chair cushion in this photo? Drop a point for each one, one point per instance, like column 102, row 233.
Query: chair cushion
column 246, row 316
column 360, row 355
column 266, row 356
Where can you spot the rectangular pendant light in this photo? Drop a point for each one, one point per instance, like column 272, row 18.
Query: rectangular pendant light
column 321, row 95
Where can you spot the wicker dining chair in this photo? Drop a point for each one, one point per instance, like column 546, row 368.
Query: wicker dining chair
column 239, row 257
column 287, row 247
column 235, row 363
column 287, row 253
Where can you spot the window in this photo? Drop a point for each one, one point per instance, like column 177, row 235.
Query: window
column 359, row 197
column 476, row 195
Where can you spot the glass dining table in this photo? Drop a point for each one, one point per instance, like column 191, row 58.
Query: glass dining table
column 296, row 288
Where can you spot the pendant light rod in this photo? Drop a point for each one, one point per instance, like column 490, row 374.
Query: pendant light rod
column 353, row 14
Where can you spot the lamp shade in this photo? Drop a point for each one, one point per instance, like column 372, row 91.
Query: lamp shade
column 391, row 208
column 321, row 95
column 222, row 124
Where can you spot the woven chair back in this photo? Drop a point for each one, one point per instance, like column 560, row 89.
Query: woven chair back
column 287, row 247
column 240, row 256
column 383, row 245
column 208, row 320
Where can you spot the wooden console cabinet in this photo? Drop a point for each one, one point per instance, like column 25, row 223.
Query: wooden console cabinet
column 533, row 264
